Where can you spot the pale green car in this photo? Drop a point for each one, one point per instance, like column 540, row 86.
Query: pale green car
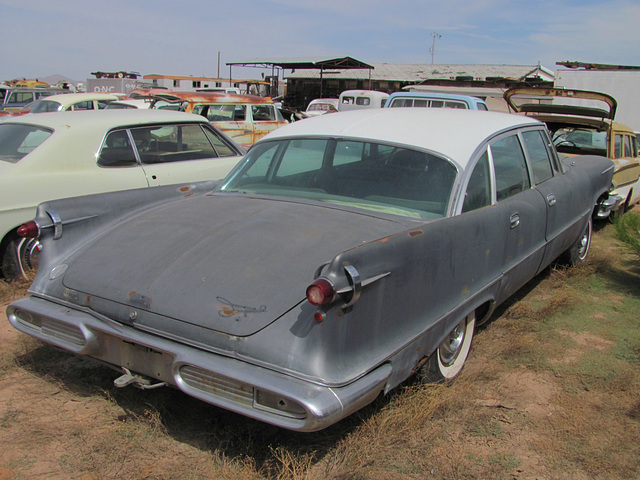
column 66, row 154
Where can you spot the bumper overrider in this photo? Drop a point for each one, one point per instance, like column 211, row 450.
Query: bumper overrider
column 608, row 205
column 150, row 361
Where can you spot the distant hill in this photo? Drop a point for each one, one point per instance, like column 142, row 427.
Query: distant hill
column 54, row 79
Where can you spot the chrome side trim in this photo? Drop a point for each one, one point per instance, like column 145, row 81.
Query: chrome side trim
column 57, row 223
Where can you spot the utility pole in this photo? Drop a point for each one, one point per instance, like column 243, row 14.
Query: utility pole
column 433, row 45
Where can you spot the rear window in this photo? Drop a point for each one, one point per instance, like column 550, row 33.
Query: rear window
column 44, row 106
column 17, row 141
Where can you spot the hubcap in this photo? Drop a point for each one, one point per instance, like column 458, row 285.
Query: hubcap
column 584, row 243
column 450, row 346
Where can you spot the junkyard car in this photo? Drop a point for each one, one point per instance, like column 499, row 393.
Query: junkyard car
column 17, row 97
column 342, row 254
column 67, row 154
column 64, row 102
column 243, row 118
column 581, row 123
column 320, row 106
column 357, row 99
column 434, row 100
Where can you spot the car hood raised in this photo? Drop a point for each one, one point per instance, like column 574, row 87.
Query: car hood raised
column 226, row 263
column 560, row 101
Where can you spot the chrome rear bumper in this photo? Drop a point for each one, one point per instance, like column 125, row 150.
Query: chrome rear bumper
column 266, row 395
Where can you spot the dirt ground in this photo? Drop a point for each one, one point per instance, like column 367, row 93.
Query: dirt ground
column 539, row 399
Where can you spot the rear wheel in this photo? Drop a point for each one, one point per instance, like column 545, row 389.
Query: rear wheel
column 449, row 358
column 19, row 257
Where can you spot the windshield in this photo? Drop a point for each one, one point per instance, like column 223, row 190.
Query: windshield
column 320, row 107
column 44, row 106
column 580, row 141
column 371, row 176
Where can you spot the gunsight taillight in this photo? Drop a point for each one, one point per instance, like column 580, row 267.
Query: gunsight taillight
column 29, row 229
column 320, row 292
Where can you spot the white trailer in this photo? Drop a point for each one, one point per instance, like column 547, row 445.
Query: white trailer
column 623, row 84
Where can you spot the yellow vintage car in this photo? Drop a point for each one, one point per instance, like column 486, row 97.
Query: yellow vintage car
column 581, row 123
column 243, row 118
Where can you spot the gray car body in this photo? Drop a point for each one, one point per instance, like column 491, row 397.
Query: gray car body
column 205, row 291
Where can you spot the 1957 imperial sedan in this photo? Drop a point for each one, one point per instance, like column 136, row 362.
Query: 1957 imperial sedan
column 340, row 256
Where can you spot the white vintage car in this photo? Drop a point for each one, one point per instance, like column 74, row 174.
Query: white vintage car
column 66, row 154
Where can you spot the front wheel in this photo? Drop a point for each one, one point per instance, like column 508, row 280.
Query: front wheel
column 578, row 252
column 449, row 358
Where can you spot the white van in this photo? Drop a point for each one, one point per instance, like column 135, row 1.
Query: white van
column 355, row 99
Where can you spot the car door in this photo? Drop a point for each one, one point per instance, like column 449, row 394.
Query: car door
column 522, row 210
column 265, row 119
column 172, row 154
column 234, row 121
column 561, row 193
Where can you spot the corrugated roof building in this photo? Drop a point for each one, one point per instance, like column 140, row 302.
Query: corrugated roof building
column 303, row 85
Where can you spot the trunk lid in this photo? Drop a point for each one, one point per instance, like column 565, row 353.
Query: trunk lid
column 226, row 263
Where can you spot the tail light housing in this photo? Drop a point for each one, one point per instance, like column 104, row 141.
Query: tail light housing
column 29, row 229
column 321, row 292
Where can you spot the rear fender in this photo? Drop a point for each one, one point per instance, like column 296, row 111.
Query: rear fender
column 67, row 225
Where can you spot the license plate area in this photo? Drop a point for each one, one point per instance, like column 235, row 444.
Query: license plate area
column 146, row 361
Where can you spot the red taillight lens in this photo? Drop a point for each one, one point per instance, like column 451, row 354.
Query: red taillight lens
column 29, row 229
column 320, row 292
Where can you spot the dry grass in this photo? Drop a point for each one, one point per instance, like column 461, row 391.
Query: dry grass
column 550, row 391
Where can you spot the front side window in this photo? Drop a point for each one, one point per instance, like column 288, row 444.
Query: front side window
column 171, row 143
column 509, row 166
column 401, row 102
column 538, row 155
column 371, row 176
column 17, row 141
column 220, row 146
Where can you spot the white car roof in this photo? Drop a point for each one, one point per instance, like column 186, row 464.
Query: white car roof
column 104, row 119
column 455, row 133
column 65, row 99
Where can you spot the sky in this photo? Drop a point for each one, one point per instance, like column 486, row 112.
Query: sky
column 198, row 37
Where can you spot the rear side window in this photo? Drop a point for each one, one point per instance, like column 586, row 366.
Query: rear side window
column 538, row 156
column 478, row 192
column 263, row 113
column 43, row 106
column 510, row 167
column 17, row 141
column 222, row 113
column 618, row 146
column 85, row 105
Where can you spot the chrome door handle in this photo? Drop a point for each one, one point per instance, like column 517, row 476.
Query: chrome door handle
column 551, row 199
column 514, row 220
